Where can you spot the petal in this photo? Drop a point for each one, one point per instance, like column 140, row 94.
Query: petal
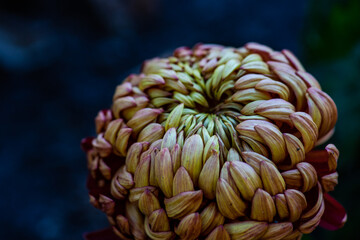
column 320, row 160
column 95, row 189
column 86, row 144
column 334, row 216
column 104, row 234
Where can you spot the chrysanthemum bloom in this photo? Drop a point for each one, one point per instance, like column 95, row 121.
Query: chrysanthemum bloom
column 216, row 143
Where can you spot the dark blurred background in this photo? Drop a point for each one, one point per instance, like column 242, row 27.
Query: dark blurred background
column 60, row 61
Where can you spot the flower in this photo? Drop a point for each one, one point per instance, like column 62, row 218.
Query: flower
column 216, row 142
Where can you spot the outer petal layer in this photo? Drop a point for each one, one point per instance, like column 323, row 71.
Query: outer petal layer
column 104, row 234
column 334, row 216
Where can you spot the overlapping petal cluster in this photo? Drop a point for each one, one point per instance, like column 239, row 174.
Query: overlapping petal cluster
column 216, row 142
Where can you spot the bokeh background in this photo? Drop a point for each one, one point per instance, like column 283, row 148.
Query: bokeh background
column 60, row 61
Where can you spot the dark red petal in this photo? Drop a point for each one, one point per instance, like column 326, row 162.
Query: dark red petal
column 334, row 216
column 86, row 144
column 104, row 234
column 94, row 189
column 320, row 160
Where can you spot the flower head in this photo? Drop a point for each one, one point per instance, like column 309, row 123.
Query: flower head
column 216, row 143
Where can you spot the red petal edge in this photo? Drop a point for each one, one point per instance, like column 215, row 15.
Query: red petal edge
column 320, row 161
column 94, row 188
column 104, row 234
column 86, row 144
column 334, row 216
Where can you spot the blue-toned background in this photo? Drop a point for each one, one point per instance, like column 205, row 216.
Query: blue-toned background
column 60, row 61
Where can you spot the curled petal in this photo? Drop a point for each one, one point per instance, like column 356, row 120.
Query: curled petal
column 107, row 205
column 102, row 120
column 151, row 133
column 249, row 81
column 183, row 204
column 163, row 235
column 272, row 180
column 102, row 146
column 262, row 206
column 293, row 60
column 308, row 79
column 121, row 104
column 209, row 175
column 282, row 206
column 314, row 111
column 308, row 129
column 142, row 118
column 246, row 128
column 112, row 130
column 245, row 178
column 148, row 203
column 295, row 149
column 296, row 202
column 189, row 227
column 136, row 220
column 182, row 182
column 174, row 117
column 278, row 231
column 255, row 159
column 250, row 94
column 175, row 86
column 275, row 109
column 228, row 202
column 219, row 233
column 210, row 218
column 122, row 141
column 324, row 161
column 191, row 157
column 256, row 67
column 315, row 200
column 276, row 87
column 133, row 156
column 325, row 138
column 279, row 57
column 303, row 178
column 159, row 221
column 311, row 224
column 169, row 139
column 211, row 146
column 122, row 90
column 246, row 230
column 164, row 172
column 260, row 49
column 142, row 172
column 252, row 145
column 135, row 193
column 274, row 140
column 249, row 109
column 230, row 66
column 225, row 174
column 308, row 174
column 328, row 182
column 123, row 224
column 327, row 108
column 150, row 81
column 295, row 84
column 141, row 102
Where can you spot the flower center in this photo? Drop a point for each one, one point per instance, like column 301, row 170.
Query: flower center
column 200, row 99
